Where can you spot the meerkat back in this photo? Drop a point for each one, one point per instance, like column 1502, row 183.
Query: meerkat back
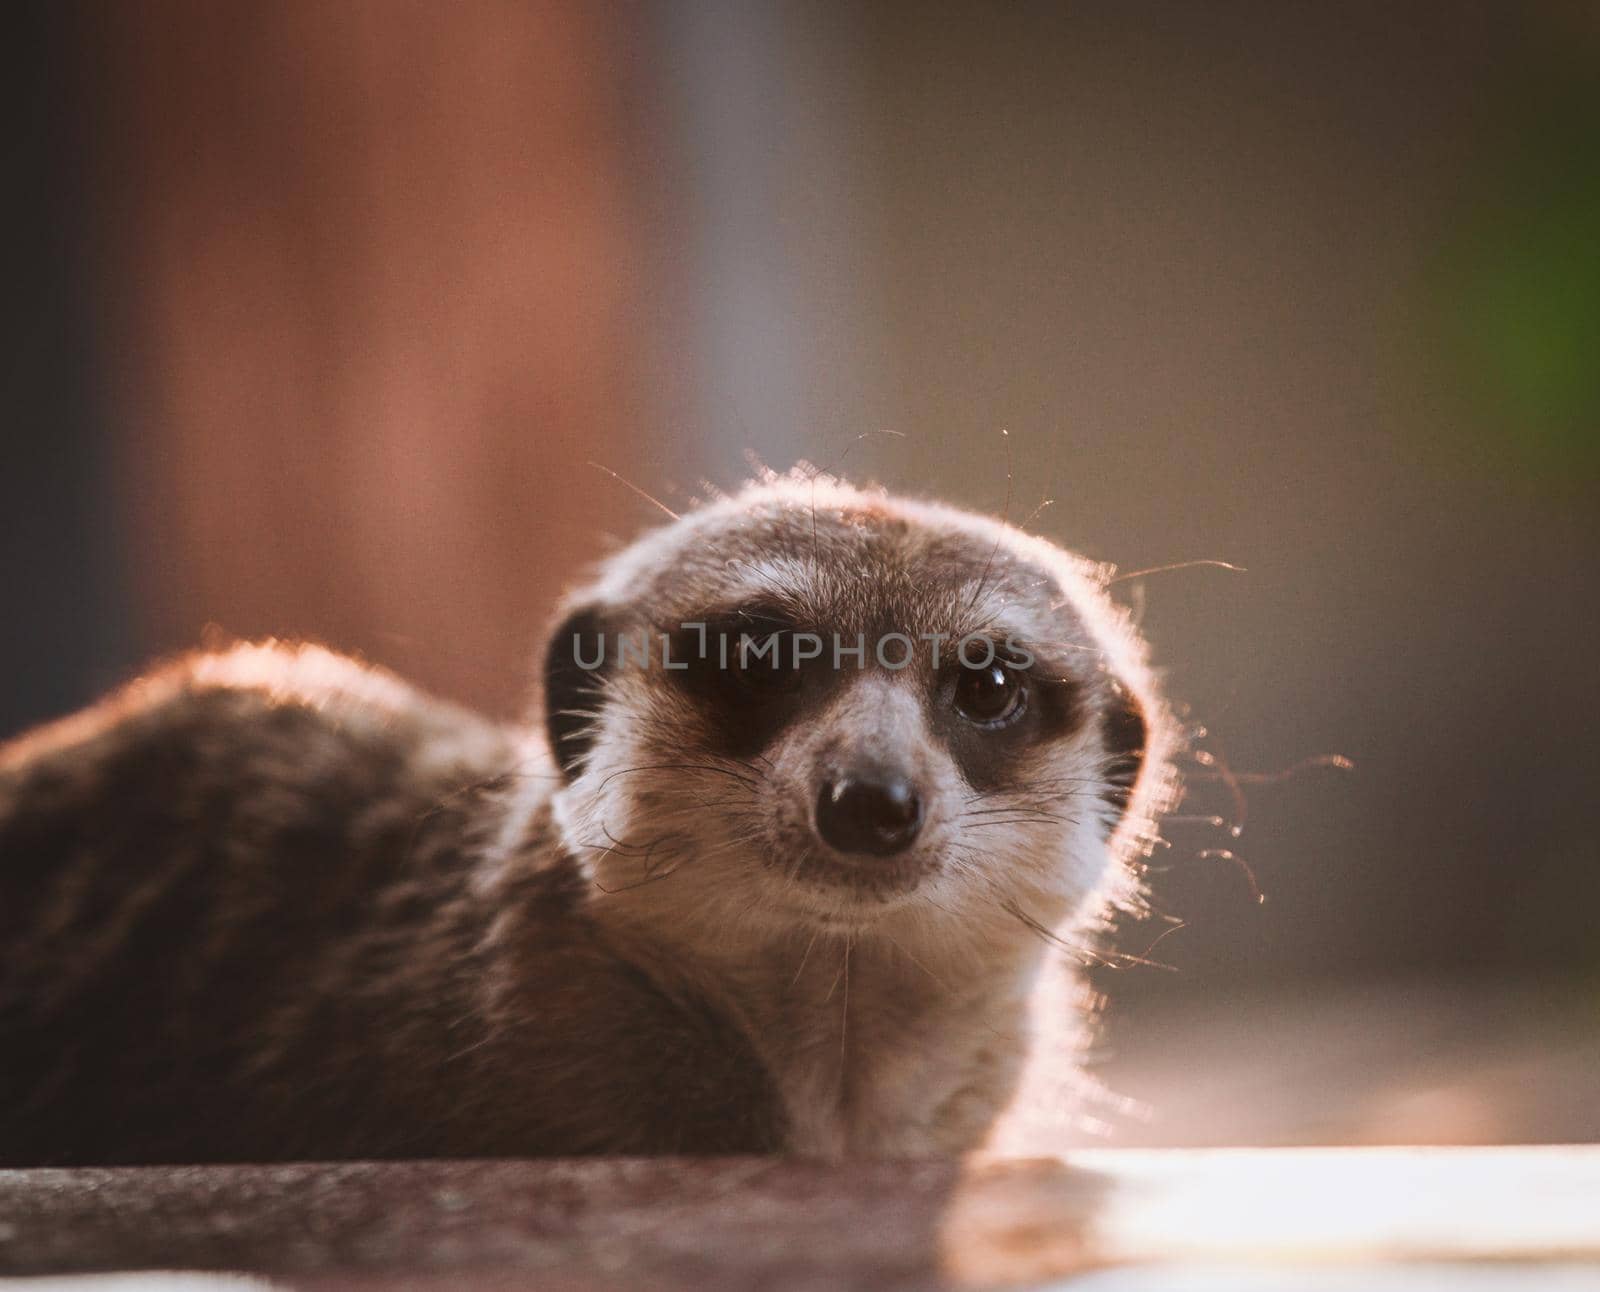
column 237, row 923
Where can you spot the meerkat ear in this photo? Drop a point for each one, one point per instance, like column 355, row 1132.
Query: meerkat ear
column 1126, row 732
column 575, row 666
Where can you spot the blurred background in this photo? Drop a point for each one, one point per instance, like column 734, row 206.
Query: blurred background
column 319, row 314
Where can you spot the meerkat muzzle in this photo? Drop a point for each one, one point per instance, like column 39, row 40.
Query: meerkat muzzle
column 873, row 812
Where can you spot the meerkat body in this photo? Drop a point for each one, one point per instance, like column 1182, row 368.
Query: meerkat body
column 271, row 903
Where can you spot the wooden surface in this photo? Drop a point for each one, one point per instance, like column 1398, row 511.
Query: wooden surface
column 1508, row 1217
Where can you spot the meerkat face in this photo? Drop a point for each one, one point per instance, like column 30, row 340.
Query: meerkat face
column 822, row 707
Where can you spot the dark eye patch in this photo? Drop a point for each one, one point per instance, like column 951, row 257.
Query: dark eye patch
column 741, row 667
column 987, row 746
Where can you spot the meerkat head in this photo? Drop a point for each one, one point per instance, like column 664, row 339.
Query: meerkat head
column 808, row 706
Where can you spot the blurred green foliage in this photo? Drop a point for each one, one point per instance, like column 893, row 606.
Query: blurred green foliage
column 1516, row 288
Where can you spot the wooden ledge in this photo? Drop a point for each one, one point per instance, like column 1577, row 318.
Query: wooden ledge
column 1516, row 1214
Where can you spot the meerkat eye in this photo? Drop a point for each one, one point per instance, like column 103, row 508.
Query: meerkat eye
column 741, row 658
column 765, row 663
column 991, row 695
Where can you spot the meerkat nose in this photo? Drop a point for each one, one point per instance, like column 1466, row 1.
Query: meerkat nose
column 876, row 813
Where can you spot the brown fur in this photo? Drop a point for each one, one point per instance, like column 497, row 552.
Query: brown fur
column 238, row 923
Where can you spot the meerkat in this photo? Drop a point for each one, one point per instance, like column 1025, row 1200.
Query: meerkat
column 816, row 777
